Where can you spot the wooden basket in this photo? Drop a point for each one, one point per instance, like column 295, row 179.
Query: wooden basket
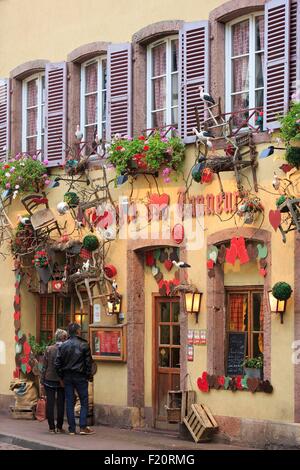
column 201, row 423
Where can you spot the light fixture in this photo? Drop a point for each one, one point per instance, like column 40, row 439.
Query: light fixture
column 277, row 306
column 192, row 302
column 114, row 303
column 269, row 151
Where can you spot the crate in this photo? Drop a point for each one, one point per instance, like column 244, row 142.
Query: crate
column 188, row 398
column 200, row 423
column 173, row 407
column 26, row 412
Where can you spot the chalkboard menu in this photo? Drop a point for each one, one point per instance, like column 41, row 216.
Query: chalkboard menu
column 236, row 353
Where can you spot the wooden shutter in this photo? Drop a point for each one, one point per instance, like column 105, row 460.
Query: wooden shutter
column 119, row 79
column 194, row 71
column 294, row 46
column 277, row 39
column 55, row 113
column 4, row 119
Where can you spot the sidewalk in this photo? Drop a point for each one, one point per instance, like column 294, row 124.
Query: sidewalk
column 35, row 436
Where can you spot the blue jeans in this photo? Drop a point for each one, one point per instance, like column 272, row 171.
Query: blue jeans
column 81, row 387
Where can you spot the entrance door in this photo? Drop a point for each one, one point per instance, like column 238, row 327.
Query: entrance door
column 167, row 353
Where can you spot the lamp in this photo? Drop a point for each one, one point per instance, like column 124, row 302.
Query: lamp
column 269, row 151
column 192, row 302
column 114, row 303
column 277, row 306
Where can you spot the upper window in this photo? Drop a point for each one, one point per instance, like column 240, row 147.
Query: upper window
column 93, row 100
column 245, row 66
column 33, row 119
column 162, row 83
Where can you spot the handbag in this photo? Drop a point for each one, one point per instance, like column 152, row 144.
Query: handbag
column 40, row 412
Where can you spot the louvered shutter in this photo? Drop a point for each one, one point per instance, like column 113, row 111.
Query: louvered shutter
column 194, row 71
column 4, row 118
column 55, row 113
column 119, row 96
column 293, row 48
column 277, row 39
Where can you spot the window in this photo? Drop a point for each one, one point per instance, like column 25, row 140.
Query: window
column 33, row 119
column 93, row 100
column 245, row 65
column 245, row 314
column 162, row 83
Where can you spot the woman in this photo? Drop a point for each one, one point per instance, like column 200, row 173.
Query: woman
column 52, row 385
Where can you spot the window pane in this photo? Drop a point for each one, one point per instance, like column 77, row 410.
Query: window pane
column 259, row 98
column 159, row 60
column 159, row 119
column 158, row 93
column 240, row 38
column 258, row 312
column 176, row 311
column 175, row 89
column 258, row 344
column 164, row 334
column 259, row 33
column 165, row 312
column 259, row 70
column 104, row 74
column 174, row 116
column 164, row 357
column 174, row 53
column 32, row 93
column 32, row 121
column 50, row 305
column 176, row 334
column 240, row 102
column 240, row 74
column 91, row 78
column 238, row 312
column 43, row 89
column 91, row 109
column 175, row 357
column 90, row 132
column 31, row 145
column 103, row 105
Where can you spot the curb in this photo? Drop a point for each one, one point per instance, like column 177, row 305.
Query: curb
column 29, row 444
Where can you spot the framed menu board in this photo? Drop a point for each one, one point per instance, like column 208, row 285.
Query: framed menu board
column 108, row 343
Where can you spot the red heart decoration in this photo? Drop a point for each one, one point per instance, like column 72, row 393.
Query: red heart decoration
column 16, row 373
column 221, row 380
column 168, row 264
column 103, row 221
column 17, row 316
column 243, row 255
column 285, row 167
column 203, row 383
column 210, row 264
column 239, row 385
column 263, row 272
column 150, row 260
column 24, row 360
column 252, row 384
column 159, row 200
column 26, row 348
column 28, row 368
column 231, row 254
column 16, row 339
column 275, row 219
column 17, row 299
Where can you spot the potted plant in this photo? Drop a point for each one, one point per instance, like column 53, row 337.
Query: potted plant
column 253, row 366
column 146, row 154
column 41, row 262
column 290, row 133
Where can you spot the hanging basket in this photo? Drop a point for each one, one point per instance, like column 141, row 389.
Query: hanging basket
column 293, row 155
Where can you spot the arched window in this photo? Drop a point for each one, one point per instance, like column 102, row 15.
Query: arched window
column 33, row 113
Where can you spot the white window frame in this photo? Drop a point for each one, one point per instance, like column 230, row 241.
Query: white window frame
column 168, row 41
column 40, row 104
column 252, row 53
column 100, row 118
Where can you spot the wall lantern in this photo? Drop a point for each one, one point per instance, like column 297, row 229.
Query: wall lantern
column 114, row 302
column 278, row 298
column 192, row 302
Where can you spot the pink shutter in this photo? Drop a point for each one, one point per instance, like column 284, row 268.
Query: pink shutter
column 194, row 71
column 293, row 48
column 119, row 79
column 277, row 39
column 55, row 113
column 4, row 119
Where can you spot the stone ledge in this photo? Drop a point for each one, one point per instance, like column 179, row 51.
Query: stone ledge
column 5, row 402
column 118, row 416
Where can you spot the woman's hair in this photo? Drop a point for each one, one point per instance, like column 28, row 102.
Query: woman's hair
column 60, row 335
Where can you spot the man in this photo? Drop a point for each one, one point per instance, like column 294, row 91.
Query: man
column 74, row 366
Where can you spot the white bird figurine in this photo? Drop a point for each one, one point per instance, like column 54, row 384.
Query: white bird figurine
column 114, row 285
column 276, row 182
column 181, row 264
column 86, row 265
column 206, row 97
column 78, row 133
column 23, row 219
column 203, row 135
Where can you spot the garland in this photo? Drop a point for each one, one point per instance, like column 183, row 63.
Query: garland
column 240, row 382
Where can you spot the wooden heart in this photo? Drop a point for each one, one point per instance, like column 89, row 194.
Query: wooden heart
column 263, row 263
column 178, row 233
column 163, row 256
column 211, row 380
column 210, row 264
column 168, row 264
column 158, row 277
column 252, row 251
column 212, row 253
column 163, row 290
column 26, row 348
column 222, row 254
column 17, row 325
column 253, row 384
column 177, row 274
column 161, row 200
column 275, row 218
column 267, row 387
column 155, row 270
column 262, row 251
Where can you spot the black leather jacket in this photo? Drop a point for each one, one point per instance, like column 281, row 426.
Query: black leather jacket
column 74, row 358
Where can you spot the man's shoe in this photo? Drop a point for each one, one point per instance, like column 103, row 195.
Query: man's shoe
column 86, row 431
column 60, row 431
column 72, row 433
column 52, row 431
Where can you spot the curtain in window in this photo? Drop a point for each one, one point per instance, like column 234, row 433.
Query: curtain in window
column 261, row 320
column 240, row 68
column 32, row 114
column 159, row 84
column 237, row 309
column 91, row 90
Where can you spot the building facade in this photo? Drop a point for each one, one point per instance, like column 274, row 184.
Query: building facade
column 114, row 68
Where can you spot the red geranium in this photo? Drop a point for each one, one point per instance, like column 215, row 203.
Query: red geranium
column 141, row 137
column 146, row 147
column 119, row 147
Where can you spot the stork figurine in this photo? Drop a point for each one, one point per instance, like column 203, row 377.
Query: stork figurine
column 206, row 97
column 78, row 133
column 181, row 264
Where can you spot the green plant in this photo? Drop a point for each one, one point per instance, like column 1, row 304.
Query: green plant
column 146, row 153
column 280, row 200
column 90, row 242
column 38, row 349
column 23, row 174
column 71, row 198
column 290, row 123
column 292, row 156
column 253, row 362
column 282, row 291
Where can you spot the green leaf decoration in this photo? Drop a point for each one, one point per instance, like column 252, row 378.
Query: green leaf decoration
column 244, row 382
column 157, row 254
column 227, row 382
column 23, row 368
column 18, row 277
column 20, row 334
column 262, row 251
column 18, row 348
column 212, row 253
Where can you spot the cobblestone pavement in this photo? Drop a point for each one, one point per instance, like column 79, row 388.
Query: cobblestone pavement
column 5, row 446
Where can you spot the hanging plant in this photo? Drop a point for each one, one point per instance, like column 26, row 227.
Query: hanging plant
column 290, row 133
column 282, row 291
column 149, row 154
column 72, row 199
column 41, row 259
column 90, row 242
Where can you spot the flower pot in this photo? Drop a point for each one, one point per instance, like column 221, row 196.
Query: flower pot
column 293, row 155
column 44, row 274
column 253, row 372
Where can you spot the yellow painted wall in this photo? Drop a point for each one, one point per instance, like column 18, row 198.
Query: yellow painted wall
column 33, row 29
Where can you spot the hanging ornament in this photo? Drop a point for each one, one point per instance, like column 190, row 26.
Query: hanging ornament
column 62, row 208
column 149, row 258
column 178, row 233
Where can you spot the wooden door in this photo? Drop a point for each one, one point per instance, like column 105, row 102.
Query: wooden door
column 166, row 352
